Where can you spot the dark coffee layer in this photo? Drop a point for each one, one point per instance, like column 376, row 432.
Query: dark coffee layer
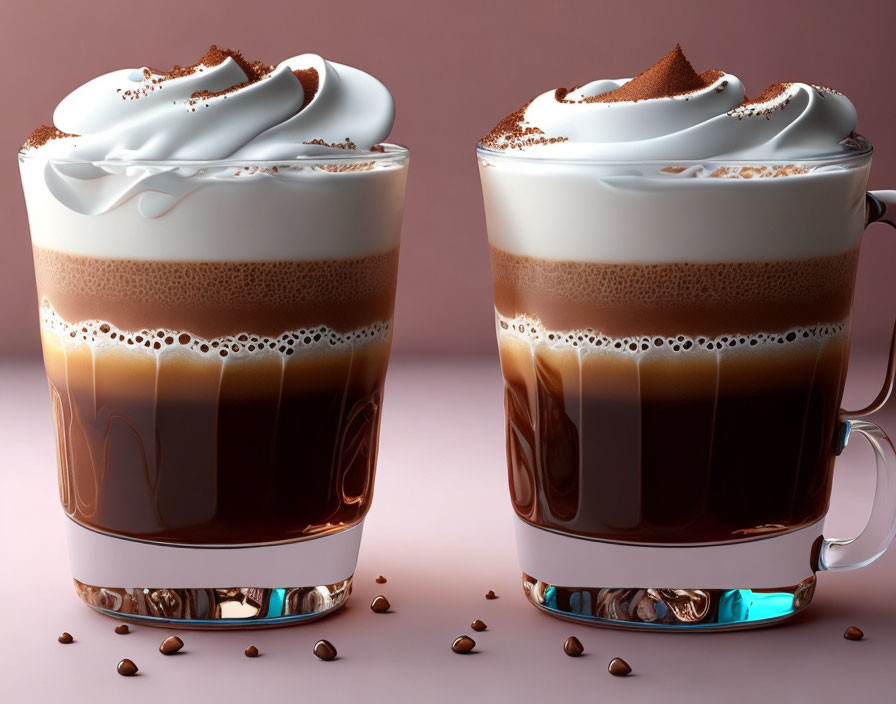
column 674, row 298
column 194, row 449
column 684, row 448
column 211, row 299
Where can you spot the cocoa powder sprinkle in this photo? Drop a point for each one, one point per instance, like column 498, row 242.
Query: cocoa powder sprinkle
column 310, row 81
column 347, row 144
column 775, row 90
column 671, row 76
column 512, row 133
column 215, row 56
column 44, row 134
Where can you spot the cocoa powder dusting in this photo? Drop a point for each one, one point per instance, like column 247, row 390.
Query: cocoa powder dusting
column 773, row 91
column 347, row 144
column 758, row 171
column 763, row 105
column 254, row 70
column 672, row 76
column 44, row 134
column 510, row 133
column 310, row 81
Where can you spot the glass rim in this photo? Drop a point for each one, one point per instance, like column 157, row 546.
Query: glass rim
column 855, row 156
column 391, row 152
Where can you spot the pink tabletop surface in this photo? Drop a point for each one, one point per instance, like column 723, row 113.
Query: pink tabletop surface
column 440, row 530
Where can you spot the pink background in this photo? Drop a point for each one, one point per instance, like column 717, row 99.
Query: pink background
column 455, row 68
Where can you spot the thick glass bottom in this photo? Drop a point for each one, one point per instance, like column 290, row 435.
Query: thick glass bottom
column 216, row 607
column 658, row 609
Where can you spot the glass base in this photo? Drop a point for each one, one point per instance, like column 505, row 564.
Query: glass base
column 655, row 609
column 216, row 607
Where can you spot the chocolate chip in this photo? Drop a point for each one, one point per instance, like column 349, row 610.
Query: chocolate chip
column 851, row 633
column 251, row 652
column 66, row 638
column 463, row 645
column 324, row 650
column 619, row 667
column 573, row 647
column 381, row 580
column 380, row 605
column 171, row 645
column 122, row 629
column 478, row 625
column 126, row 668
column 491, row 595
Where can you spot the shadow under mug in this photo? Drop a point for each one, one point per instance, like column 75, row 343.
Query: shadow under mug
column 593, row 545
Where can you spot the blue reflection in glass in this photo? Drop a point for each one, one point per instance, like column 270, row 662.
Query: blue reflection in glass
column 275, row 608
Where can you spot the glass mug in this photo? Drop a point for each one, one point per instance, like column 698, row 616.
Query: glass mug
column 674, row 340
column 215, row 337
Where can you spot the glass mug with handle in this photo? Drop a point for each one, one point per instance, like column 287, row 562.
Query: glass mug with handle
column 674, row 340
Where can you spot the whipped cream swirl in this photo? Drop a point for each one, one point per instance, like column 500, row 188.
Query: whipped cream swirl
column 222, row 107
column 156, row 135
column 670, row 112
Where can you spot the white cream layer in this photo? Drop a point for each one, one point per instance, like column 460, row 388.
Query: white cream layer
column 636, row 213
column 226, row 213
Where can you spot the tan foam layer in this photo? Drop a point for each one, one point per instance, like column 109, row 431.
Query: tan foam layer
column 219, row 298
column 680, row 298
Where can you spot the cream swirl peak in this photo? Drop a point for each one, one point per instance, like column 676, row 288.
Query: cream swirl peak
column 670, row 112
column 222, row 106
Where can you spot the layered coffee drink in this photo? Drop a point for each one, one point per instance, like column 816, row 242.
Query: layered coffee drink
column 216, row 251
column 673, row 270
column 667, row 368
column 246, row 394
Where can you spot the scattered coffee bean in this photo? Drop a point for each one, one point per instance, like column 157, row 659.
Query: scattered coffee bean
column 463, row 645
column 380, row 605
column 491, row 595
column 478, row 625
column 251, row 652
column 851, row 633
column 381, row 580
column 66, row 638
column 573, row 647
column 127, row 668
column 171, row 645
column 122, row 629
column 324, row 650
column 619, row 667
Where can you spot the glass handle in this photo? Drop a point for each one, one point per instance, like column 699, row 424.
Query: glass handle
column 837, row 554
column 875, row 538
column 880, row 206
